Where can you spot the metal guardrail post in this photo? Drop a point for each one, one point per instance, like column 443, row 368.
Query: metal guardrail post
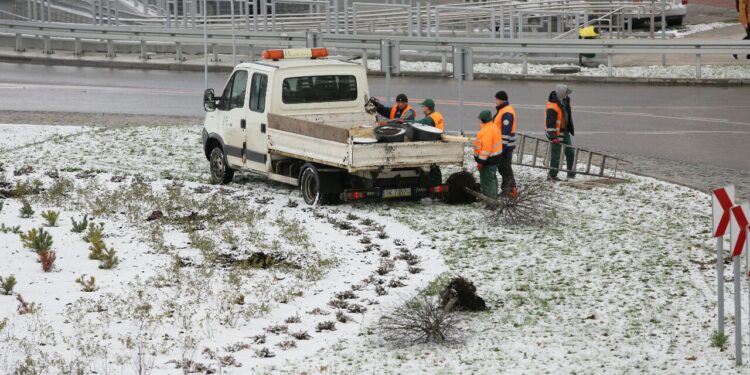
column 178, row 52
column 511, row 21
column 19, row 43
column 697, row 66
column 77, row 50
column 47, row 49
column 525, row 66
column 251, row 52
column 419, row 19
column 111, row 48
column 364, row 58
column 444, row 62
column 502, row 21
column 143, row 55
column 609, row 65
column 429, row 19
column 215, row 52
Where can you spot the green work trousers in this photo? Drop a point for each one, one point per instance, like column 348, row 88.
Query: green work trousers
column 436, row 177
column 569, row 155
column 488, row 180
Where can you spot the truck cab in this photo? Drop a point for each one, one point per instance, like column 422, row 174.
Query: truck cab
column 295, row 117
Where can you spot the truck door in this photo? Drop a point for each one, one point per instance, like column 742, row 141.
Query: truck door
column 232, row 117
column 256, row 138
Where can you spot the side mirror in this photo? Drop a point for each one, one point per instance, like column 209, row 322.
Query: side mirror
column 209, row 100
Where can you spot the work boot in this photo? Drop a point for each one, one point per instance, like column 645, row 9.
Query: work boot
column 514, row 193
column 552, row 178
column 571, row 176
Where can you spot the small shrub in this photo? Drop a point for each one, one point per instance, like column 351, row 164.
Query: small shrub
column 259, row 339
column 26, row 210
column 301, row 335
column 109, row 259
column 1, row 206
column 382, row 235
column 25, row 307
column 328, row 325
column 287, row 344
column 386, row 266
column 14, row 230
column 264, row 353
column 7, row 284
column 341, row 317
column 719, row 340
column 80, row 226
column 42, row 242
column 47, row 258
column 293, row 319
column 96, row 250
column 380, row 290
column 420, row 320
column 87, row 285
column 277, row 328
column 396, row 283
column 51, row 217
column 338, row 303
column 414, row 270
column 29, row 237
column 94, row 232
column 356, row 309
column 347, row 294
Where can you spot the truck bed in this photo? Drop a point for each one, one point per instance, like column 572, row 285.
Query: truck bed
column 333, row 146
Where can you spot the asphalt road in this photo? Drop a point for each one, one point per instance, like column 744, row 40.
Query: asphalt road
column 673, row 128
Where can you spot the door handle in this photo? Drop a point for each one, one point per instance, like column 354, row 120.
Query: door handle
column 243, row 123
column 262, row 128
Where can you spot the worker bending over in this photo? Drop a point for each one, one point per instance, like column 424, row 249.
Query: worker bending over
column 432, row 118
column 401, row 111
column 505, row 119
column 559, row 129
column 488, row 147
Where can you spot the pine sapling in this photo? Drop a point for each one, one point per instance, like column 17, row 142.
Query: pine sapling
column 51, row 217
column 29, row 237
column 47, row 258
column 42, row 242
column 7, row 284
column 26, row 210
column 87, row 285
column 14, row 230
column 79, row 227
column 96, row 250
column 94, row 232
column 1, row 206
column 109, row 259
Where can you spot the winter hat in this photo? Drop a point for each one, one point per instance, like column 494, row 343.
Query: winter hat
column 485, row 116
column 501, row 95
column 402, row 98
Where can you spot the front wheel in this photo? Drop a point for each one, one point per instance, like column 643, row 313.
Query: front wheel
column 221, row 173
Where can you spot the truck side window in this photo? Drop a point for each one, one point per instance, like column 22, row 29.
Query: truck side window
column 258, row 93
column 239, row 88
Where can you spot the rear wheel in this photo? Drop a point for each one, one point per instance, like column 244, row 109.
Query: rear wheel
column 221, row 173
column 310, row 186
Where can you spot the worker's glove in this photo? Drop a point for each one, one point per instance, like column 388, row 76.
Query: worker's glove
column 555, row 141
column 374, row 100
column 399, row 120
column 479, row 167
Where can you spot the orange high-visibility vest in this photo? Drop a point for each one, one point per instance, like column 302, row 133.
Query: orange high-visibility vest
column 509, row 140
column 438, row 119
column 395, row 108
column 488, row 144
column 553, row 132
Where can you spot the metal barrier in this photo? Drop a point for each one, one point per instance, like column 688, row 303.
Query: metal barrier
column 486, row 46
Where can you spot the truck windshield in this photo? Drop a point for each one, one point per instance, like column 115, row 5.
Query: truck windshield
column 319, row 89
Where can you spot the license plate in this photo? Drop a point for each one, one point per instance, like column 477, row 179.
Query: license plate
column 397, row 193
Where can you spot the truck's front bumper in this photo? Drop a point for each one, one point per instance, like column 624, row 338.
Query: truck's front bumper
column 377, row 193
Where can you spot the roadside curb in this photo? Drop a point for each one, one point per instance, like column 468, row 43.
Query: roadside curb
column 176, row 66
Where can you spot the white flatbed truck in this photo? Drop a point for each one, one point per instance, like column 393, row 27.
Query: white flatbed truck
column 303, row 121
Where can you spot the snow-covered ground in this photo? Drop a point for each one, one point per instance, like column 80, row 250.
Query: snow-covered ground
column 15, row 135
column 621, row 282
column 740, row 71
column 686, row 30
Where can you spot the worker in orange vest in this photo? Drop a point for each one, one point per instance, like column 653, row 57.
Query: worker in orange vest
column 402, row 111
column 488, row 146
column 559, row 129
column 506, row 121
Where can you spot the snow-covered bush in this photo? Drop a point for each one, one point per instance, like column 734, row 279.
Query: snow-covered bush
column 420, row 320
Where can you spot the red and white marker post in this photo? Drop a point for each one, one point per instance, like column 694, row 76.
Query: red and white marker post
column 721, row 204
column 738, row 234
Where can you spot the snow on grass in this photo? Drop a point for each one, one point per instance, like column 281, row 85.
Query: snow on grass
column 651, row 71
column 226, row 276
column 621, row 282
column 16, row 135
